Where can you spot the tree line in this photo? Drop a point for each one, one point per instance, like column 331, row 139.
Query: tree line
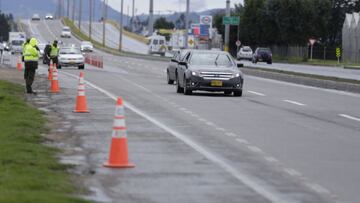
column 5, row 26
column 289, row 22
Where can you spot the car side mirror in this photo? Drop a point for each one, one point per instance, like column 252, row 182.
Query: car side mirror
column 240, row 65
column 6, row 49
column 175, row 61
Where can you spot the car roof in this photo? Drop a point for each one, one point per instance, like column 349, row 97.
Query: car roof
column 208, row 51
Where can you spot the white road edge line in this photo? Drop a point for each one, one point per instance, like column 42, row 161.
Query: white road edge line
column 294, row 102
column 252, row 182
column 256, row 93
column 349, row 117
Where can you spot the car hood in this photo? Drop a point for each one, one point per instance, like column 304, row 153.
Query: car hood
column 213, row 69
column 70, row 56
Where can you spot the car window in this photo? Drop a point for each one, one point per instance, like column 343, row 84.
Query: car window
column 266, row 51
column 155, row 42
column 17, row 42
column 66, row 29
column 246, row 49
column 70, row 51
column 211, row 59
column 162, row 42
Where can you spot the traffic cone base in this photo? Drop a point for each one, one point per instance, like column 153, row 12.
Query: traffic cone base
column 118, row 157
column 81, row 105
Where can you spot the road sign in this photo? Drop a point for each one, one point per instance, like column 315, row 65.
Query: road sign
column 338, row 52
column 231, row 20
column 238, row 43
column 312, row 41
column 204, row 30
column 206, row 20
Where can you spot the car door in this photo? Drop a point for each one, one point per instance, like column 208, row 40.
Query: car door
column 173, row 65
column 182, row 69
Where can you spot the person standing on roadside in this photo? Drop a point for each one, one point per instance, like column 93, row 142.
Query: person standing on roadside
column 23, row 48
column 31, row 57
column 54, row 52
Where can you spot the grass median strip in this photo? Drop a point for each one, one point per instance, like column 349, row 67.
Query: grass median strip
column 29, row 171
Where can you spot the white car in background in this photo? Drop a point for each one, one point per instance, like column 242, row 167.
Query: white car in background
column 86, row 46
column 245, row 52
column 66, row 32
column 41, row 49
column 35, row 17
column 71, row 56
column 49, row 17
column 157, row 45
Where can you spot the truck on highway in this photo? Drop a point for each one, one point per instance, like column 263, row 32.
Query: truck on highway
column 157, row 45
column 16, row 40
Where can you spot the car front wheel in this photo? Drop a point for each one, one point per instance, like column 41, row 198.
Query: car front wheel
column 169, row 81
column 187, row 91
column 81, row 67
column 238, row 93
column 179, row 89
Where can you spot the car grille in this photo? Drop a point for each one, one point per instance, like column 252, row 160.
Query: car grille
column 216, row 75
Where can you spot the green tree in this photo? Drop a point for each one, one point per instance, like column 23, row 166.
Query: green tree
column 5, row 26
column 162, row 23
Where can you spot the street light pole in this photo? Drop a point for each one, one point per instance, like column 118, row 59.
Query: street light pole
column 121, row 25
column 68, row 8
column 227, row 27
column 104, row 19
column 151, row 16
column 80, row 5
column 90, row 17
column 187, row 23
column 73, row 10
column 133, row 16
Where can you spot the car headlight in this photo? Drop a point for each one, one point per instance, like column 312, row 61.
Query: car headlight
column 237, row 75
column 194, row 73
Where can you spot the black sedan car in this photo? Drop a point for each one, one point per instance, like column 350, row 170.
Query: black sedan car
column 262, row 55
column 174, row 64
column 214, row 71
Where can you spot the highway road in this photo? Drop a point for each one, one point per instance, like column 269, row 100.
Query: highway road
column 280, row 142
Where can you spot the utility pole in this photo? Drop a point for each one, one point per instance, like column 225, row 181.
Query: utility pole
column 121, row 24
column 227, row 27
column 80, row 7
column 133, row 16
column 187, row 23
column 68, row 9
column 90, row 17
column 104, row 19
column 151, row 18
column 73, row 10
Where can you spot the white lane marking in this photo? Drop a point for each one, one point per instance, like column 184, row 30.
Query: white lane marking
column 292, row 172
column 305, row 87
column 254, row 149
column 220, row 129
column 256, row 93
column 271, row 159
column 294, row 102
column 251, row 181
column 230, row 134
column 242, row 141
column 317, row 188
column 202, row 120
column 210, row 124
column 350, row 117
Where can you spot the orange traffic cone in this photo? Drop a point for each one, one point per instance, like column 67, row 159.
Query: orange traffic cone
column 118, row 157
column 19, row 64
column 54, row 82
column 50, row 72
column 81, row 104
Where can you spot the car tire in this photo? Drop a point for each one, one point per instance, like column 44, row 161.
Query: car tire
column 179, row 89
column 58, row 66
column 169, row 81
column 187, row 91
column 269, row 62
column 227, row 92
column 81, row 67
column 237, row 93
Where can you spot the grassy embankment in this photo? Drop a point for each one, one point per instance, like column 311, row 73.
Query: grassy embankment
column 29, row 171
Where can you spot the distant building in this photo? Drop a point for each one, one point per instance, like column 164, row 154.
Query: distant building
column 351, row 38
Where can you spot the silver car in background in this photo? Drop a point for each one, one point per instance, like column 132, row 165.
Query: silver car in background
column 245, row 52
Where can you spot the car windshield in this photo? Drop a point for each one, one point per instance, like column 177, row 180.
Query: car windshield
column 246, row 49
column 211, row 59
column 66, row 29
column 86, row 43
column 70, row 51
column 266, row 51
column 17, row 42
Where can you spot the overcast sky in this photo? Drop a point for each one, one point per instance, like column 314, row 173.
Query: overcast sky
column 163, row 6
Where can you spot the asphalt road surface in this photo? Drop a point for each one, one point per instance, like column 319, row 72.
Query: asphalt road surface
column 309, row 69
column 280, row 142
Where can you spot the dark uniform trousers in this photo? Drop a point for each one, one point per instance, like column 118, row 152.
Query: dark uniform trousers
column 29, row 74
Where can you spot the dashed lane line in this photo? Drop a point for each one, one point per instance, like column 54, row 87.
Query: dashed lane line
column 256, row 93
column 252, row 182
column 350, row 117
column 294, row 102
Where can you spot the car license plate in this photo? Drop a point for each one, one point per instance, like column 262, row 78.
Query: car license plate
column 216, row 83
column 72, row 62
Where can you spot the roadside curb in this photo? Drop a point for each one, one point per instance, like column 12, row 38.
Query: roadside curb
column 303, row 79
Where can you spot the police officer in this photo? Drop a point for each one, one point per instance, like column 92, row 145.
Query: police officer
column 31, row 57
column 54, row 52
column 23, row 48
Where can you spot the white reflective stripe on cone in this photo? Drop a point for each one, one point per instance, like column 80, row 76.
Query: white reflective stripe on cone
column 81, row 80
column 81, row 87
column 81, row 93
column 119, row 133
column 119, row 123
